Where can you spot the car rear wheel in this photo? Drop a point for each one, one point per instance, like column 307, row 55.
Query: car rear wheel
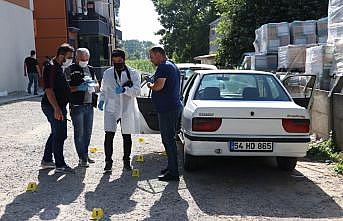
column 190, row 163
column 286, row 163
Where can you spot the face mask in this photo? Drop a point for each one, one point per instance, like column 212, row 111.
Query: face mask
column 83, row 64
column 119, row 66
column 67, row 62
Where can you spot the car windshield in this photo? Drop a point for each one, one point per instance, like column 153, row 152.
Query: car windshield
column 247, row 87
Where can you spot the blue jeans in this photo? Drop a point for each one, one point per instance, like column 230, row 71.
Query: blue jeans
column 58, row 135
column 33, row 79
column 82, row 117
column 168, row 122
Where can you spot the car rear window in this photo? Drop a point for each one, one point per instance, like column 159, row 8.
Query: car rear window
column 247, row 87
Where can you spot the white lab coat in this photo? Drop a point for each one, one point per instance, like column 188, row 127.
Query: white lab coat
column 121, row 106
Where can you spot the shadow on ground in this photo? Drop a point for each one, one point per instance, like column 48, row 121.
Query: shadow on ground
column 115, row 196
column 255, row 187
column 53, row 190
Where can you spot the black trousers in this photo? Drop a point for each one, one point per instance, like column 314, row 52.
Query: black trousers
column 127, row 143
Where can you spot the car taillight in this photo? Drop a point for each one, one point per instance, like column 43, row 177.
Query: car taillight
column 296, row 125
column 204, row 124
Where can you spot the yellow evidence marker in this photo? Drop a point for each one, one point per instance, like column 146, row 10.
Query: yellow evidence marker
column 93, row 150
column 141, row 139
column 32, row 186
column 135, row 173
column 140, row 158
column 164, row 153
column 97, row 213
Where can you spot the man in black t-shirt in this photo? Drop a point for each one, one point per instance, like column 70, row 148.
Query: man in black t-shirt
column 31, row 69
column 54, row 102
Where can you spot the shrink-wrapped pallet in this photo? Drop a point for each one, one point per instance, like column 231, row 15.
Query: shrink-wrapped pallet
column 271, row 36
column 319, row 61
column 303, row 32
column 322, row 30
column 264, row 62
column 335, row 20
column 292, row 57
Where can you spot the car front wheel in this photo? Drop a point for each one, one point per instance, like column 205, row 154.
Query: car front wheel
column 287, row 163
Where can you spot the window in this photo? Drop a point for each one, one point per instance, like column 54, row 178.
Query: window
column 246, row 87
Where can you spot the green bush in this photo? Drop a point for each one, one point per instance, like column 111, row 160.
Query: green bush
column 144, row 66
column 326, row 150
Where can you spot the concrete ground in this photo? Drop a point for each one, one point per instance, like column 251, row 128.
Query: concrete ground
column 223, row 189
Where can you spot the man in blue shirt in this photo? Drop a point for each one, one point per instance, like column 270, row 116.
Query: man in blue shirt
column 166, row 101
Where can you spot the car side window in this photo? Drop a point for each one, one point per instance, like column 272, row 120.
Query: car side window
column 188, row 88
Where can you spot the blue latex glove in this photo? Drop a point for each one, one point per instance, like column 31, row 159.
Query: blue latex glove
column 101, row 105
column 149, row 79
column 120, row 89
column 83, row 87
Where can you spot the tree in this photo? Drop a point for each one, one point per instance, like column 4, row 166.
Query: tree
column 137, row 49
column 240, row 18
column 186, row 27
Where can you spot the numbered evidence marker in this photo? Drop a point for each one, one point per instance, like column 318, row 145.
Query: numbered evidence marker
column 135, row 173
column 163, row 153
column 140, row 158
column 32, row 186
column 97, row 213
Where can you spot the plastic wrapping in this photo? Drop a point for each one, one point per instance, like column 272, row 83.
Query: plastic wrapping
column 335, row 20
column 271, row 36
column 292, row 57
column 338, row 57
column 264, row 62
column 322, row 30
column 319, row 61
column 303, row 32
column 246, row 64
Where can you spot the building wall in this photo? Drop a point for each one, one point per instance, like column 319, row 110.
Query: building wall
column 322, row 116
column 51, row 27
column 17, row 39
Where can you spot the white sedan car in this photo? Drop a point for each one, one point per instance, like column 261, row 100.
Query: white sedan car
column 253, row 114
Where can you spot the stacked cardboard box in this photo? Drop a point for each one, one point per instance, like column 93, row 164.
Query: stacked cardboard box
column 322, row 30
column 303, row 32
column 264, row 62
column 271, row 36
column 319, row 60
column 292, row 57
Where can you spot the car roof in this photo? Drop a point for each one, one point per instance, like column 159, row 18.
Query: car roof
column 192, row 65
column 227, row 71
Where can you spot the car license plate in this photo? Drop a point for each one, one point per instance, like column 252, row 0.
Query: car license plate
column 236, row 146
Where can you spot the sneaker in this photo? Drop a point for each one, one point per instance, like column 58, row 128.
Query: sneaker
column 108, row 167
column 90, row 160
column 65, row 169
column 83, row 163
column 127, row 165
column 47, row 165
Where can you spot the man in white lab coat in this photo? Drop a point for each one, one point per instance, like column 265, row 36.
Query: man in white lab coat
column 119, row 88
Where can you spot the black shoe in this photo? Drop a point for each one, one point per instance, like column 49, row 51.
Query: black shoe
column 168, row 177
column 90, row 160
column 108, row 167
column 164, row 171
column 127, row 165
column 36, row 93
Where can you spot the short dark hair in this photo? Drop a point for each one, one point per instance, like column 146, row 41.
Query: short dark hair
column 32, row 52
column 158, row 49
column 118, row 53
column 64, row 48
